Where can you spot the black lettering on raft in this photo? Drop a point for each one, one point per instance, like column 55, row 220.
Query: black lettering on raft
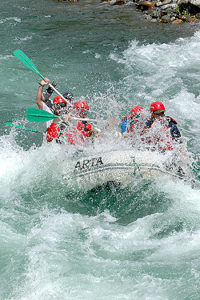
column 88, row 163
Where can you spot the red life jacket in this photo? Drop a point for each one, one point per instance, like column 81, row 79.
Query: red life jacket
column 53, row 132
column 74, row 135
column 85, row 128
column 77, row 134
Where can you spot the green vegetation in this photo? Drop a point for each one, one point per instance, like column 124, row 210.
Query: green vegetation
column 183, row 12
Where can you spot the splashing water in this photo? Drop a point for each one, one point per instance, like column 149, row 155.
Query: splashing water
column 136, row 242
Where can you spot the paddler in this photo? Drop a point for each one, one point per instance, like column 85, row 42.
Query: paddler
column 84, row 130
column 58, row 126
column 65, row 131
column 43, row 100
column 131, row 122
column 160, row 130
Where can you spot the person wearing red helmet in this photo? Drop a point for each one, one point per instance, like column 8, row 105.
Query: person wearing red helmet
column 58, row 107
column 167, row 130
column 81, row 109
column 131, row 122
column 56, row 129
column 76, row 134
column 44, row 102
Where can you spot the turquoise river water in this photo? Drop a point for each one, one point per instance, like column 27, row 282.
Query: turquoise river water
column 142, row 242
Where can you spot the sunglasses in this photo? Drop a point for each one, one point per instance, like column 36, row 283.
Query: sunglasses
column 159, row 112
column 136, row 116
column 59, row 105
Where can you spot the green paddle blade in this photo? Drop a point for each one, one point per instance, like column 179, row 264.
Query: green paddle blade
column 39, row 115
column 196, row 169
column 21, row 127
column 26, row 61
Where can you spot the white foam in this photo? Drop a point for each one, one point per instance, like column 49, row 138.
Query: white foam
column 15, row 19
column 26, row 38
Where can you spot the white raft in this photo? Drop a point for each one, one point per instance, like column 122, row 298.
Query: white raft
column 120, row 167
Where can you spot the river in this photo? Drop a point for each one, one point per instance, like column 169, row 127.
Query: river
column 141, row 242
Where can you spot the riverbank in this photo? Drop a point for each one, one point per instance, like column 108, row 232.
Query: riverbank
column 164, row 11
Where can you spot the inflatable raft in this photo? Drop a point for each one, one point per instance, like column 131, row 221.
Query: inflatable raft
column 120, row 167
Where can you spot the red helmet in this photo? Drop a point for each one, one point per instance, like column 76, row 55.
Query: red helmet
column 81, row 106
column 136, row 110
column 155, row 106
column 58, row 99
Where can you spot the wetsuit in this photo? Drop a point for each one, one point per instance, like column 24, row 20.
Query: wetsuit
column 163, row 139
column 46, row 98
column 171, row 124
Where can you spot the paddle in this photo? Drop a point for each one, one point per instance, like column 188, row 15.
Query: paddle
column 22, row 127
column 29, row 64
column 39, row 115
column 196, row 169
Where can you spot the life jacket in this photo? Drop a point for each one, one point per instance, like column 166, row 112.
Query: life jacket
column 53, row 132
column 165, row 143
column 85, row 128
column 77, row 135
column 169, row 132
column 74, row 135
column 129, row 124
column 170, row 119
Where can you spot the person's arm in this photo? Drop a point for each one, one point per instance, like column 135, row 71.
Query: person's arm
column 176, row 136
column 38, row 99
column 95, row 131
column 62, row 123
column 148, row 125
column 47, row 94
column 175, row 133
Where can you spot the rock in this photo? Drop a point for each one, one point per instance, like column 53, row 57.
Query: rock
column 163, row 11
column 169, row 6
column 148, row 17
column 192, row 19
column 166, row 19
column 192, row 6
column 130, row 3
column 193, row 2
column 155, row 13
column 146, row 5
column 177, row 21
column 160, row 3
column 116, row 2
